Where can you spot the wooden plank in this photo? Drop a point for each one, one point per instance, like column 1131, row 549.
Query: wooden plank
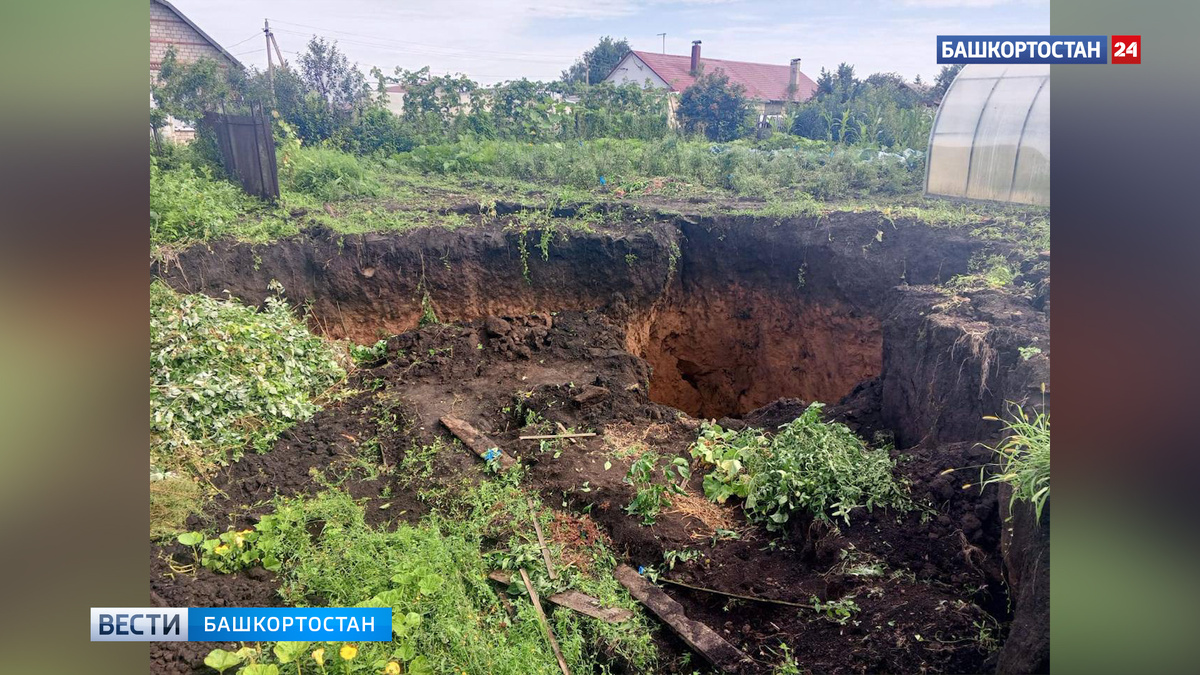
column 575, row 600
column 586, row 604
column 546, row 437
column 537, row 527
column 537, row 605
column 702, row 639
column 477, row 442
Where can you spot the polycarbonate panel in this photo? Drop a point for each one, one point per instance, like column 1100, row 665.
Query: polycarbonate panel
column 1031, row 179
column 998, row 136
column 990, row 138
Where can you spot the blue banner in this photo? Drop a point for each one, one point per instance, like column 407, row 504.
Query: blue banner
column 241, row 624
column 345, row 624
column 1022, row 49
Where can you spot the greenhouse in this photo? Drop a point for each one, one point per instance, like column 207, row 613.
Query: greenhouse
column 991, row 136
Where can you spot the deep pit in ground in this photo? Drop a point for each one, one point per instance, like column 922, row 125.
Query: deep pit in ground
column 719, row 318
column 724, row 353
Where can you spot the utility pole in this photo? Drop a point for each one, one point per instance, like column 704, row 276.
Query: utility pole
column 270, row 65
column 664, row 37
column 587, row 69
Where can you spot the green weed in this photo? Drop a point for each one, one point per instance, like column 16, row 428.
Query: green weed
column 1023, row 459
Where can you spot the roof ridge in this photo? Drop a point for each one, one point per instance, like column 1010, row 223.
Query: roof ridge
column 709, row 58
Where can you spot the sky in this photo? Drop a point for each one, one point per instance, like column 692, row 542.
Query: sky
column 509, row 39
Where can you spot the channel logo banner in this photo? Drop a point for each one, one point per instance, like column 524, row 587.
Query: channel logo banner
column 1022, row 49
column 211, row 624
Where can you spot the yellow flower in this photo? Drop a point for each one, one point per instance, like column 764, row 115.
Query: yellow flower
column 319, row 656
column 392, row 668
column 348, row 652
column 222, row 549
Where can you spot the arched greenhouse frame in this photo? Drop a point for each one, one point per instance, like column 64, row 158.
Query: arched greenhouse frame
column 991, row 136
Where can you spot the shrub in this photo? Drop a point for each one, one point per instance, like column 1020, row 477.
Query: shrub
column 224, row 376
column 816, row 167
column 328, row 174
column 714, row 107
column 810, row 466
column 1023, row 459
column 188, row 203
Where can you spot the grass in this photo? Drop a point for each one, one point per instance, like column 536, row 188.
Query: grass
column 434, row 576
column 355, row 195
column 1023, row 459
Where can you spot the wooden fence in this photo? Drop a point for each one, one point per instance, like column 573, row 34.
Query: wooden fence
column 248, row 150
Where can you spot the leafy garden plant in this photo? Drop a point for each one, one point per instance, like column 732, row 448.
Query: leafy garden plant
column 225, row 376
column 651, row 497
column 447, row 616
column 810, row 466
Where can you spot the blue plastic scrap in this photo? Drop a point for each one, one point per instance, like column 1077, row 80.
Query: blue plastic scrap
column 491, row 454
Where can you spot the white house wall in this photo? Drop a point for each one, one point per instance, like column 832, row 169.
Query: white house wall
column 632, row 69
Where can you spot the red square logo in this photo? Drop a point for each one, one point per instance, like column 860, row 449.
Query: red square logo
column 1127, row 49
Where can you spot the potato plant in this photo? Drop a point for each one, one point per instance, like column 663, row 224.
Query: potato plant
column 810, row 466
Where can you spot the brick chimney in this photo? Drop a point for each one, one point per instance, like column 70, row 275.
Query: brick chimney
column 794, row 81
column 695, row 56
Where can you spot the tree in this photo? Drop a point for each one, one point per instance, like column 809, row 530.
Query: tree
column 597, row 62
column 882, row 110
column 942, row 82
column 841, row 84
column 188, row 90
column 714, row 106
column 327, row 72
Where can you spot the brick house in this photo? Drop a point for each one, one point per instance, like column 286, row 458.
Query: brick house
column 170, row 27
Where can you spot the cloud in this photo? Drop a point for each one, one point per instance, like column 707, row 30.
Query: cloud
column 969, row 4
column 510, row 39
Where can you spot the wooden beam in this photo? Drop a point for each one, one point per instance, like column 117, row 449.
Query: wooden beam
column 586, row 604
column 537, row 606
column 703, row 640
column 575, row 600
column 478, row 443
column 537, row 527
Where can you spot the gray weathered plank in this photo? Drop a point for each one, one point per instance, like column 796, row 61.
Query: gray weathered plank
column 586, row 604
column 575, row 600
column 702, row 639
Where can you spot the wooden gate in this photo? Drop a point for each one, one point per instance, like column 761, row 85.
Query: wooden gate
column 248, row 150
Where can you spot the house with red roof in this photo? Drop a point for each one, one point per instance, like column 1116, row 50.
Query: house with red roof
column 768, row 85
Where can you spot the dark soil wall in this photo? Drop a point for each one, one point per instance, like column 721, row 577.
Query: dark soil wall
column 365, row 287
column 948, row 362
column 1026, row 548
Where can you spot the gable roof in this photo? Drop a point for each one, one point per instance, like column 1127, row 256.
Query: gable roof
column 201, row 32
column 763, row 81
